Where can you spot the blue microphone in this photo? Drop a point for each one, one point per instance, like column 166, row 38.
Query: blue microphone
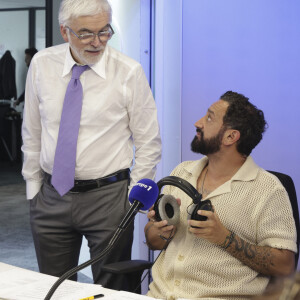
column 146, row 192
column 142, row 196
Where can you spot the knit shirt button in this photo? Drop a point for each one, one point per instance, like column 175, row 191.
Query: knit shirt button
column 180, row 257
column 177, row 282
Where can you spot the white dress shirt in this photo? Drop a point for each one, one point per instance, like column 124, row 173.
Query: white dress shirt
column 118, row 112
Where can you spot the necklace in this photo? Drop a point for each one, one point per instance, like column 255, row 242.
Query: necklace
column 203, row 190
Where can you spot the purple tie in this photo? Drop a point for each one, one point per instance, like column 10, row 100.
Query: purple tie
column 63, row 173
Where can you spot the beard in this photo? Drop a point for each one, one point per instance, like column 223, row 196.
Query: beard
column 84, row 57
column 207, row 146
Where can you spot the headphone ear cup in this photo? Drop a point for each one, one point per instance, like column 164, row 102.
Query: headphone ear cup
column 169, row 209
column 155, row 208
column 203, row 205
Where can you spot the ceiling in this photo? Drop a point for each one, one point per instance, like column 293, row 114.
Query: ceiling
column 21, row 3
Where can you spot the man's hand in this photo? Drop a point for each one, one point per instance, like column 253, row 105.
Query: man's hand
column 158, row 233
column 162, row 228
column 212, row 229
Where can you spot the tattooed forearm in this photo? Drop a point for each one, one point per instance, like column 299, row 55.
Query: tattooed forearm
column 265, row 260
column 256, row 257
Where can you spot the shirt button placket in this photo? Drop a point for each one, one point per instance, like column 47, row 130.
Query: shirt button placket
column 177, row 282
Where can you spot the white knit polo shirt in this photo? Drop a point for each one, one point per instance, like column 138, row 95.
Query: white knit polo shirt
column 255, row 206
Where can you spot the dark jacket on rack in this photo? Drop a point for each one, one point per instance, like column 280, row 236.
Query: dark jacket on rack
column 8, row 87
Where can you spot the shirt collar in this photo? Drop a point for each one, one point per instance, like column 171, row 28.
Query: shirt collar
column 247, row 172
column 197, row 166
column 98, row 68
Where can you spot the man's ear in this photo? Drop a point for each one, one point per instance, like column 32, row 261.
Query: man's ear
column 231, row 136
column 64, row 34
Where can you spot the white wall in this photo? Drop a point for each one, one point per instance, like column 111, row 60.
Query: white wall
column 56, row 36
column 167, row 80
column 40, row 30
column 131, row 21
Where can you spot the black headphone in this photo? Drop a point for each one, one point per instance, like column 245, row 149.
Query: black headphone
column 167, row 208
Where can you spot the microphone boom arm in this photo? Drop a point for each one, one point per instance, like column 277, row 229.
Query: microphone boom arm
column 123, row 225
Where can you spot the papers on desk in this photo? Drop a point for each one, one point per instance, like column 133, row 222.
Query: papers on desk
column 126, row 296
column 20, row 284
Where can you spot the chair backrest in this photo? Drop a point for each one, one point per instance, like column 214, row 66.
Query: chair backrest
column 288, row 183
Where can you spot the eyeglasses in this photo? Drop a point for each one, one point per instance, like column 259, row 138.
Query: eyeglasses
column 89, row 37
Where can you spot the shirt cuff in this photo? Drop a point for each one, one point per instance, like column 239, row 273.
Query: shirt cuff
column 32, row 188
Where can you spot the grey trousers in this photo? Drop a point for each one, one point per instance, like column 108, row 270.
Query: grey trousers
column 59, row 223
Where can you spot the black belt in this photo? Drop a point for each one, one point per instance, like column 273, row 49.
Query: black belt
column 81, row 186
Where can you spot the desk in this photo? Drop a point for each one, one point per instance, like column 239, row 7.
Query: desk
column 21, row 284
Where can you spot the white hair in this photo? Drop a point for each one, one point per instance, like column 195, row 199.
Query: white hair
column 76, row 8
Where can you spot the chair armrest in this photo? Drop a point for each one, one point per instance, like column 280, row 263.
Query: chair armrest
column 127, row 266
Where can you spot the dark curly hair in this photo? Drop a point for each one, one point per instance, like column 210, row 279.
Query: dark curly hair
column 246, row 118
column 31, row 51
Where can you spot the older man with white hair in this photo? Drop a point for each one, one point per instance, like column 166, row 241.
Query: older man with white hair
column 87, row 107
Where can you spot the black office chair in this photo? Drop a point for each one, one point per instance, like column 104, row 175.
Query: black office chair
column 135, row 268
column 288, row 183
column 132, row 269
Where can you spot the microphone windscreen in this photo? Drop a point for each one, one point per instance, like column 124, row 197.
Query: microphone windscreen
column 145, row 191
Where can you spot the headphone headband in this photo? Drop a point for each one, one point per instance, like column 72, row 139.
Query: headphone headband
column 183, row 185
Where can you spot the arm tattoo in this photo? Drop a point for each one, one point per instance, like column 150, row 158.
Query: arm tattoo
column 256, row 257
